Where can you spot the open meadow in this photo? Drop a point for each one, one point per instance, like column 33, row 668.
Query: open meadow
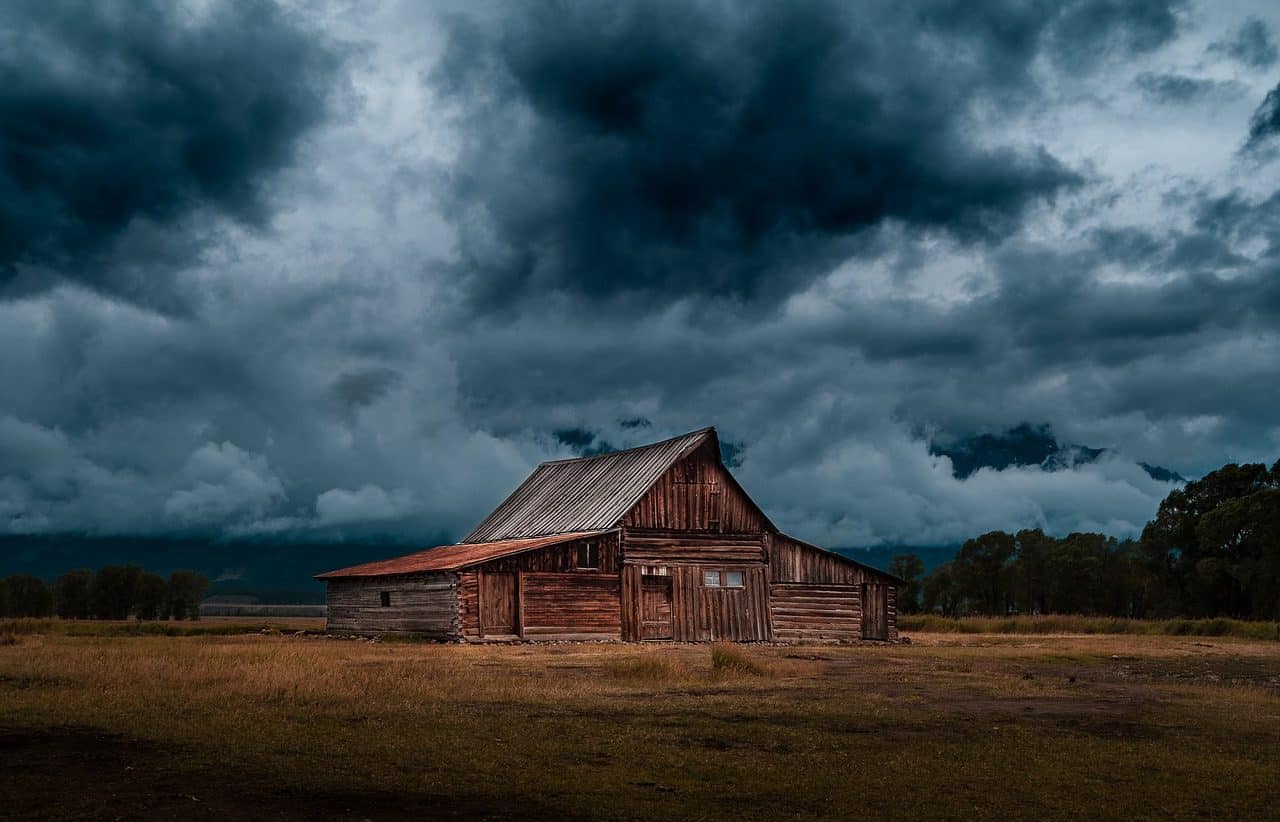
column 295, row 725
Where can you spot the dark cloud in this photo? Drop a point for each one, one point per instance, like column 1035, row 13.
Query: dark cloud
column 705, row 148
column 119, row 116
column 1181, row 88
column 1265, row 123
column 1251, row 44
column 599, row 170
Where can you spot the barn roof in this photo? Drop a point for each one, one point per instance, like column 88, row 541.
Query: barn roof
column 584, row 494
column 453, row 557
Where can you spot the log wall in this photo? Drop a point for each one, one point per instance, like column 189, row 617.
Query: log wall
column 814, row 594
column 815, row 612
column 422, row 604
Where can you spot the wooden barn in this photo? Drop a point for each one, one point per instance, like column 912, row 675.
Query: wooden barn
column 653, row 543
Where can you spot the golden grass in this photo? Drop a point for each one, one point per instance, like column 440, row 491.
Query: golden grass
column 950, row 726
column 1070, row 624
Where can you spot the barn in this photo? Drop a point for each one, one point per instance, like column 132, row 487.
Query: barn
column 653, row 543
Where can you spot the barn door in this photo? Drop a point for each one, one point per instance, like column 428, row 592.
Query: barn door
column 875, row 611
column 655, row 607
column 499, row 604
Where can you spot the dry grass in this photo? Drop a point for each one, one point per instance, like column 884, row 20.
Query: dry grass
column 952, row 726
column 1068, row 624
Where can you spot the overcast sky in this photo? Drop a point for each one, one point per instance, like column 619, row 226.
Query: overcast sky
column 334, row 270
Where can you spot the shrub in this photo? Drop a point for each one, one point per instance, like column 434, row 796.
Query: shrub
column 729, row 659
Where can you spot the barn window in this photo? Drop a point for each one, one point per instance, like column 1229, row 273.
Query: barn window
column 386, row 598
column 722, row 579
column 589, row 555
column 713, row 525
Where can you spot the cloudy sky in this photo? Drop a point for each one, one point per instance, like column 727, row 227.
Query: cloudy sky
column 334, row 270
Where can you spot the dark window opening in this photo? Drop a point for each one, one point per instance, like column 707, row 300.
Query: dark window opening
column 386, row 599
column 713, row 525
column 589, row 555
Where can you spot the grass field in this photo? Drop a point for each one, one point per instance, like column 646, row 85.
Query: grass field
column 290, row 725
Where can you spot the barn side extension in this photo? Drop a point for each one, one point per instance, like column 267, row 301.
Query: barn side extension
column 650, row 544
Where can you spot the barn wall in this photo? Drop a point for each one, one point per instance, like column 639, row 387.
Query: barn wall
column 571, row 606
column 808, row 611
column 815, row 595
column 655, row 546
column 698, row 613
column 424, row 604
column 557, row 600
column 792, row 561
column 560, row 557
column 693, row 495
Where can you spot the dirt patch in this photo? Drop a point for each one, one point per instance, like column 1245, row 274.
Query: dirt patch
column 82, row 773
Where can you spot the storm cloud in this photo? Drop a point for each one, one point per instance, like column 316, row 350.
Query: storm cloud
column 123, row 119
column 737, row 149
column 416, row 252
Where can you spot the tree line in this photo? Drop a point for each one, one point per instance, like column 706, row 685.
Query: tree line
column 1213, row 549
column 112, row 592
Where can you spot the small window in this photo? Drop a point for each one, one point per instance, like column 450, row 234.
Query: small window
column 711, row 579
column 713, row 525
column 589, row 555
column 733, row 579
column 386, row 598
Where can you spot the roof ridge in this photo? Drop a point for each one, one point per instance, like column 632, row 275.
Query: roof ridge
column 705, row 430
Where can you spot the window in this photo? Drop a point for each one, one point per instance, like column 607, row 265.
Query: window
column 723, row 579
column 713, row 525
column 589, row 555
column 386, row 598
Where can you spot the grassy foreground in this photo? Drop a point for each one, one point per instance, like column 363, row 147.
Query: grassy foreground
column 1068, row 624
column 950, row 726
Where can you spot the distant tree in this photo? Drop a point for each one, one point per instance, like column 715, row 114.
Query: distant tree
column 910, row 569
column 72, row 594
column 149, row 599
column 27, row 596
column 114, row 589
column 1031, row 571
column 939, row 592
column 1239, row 566
column 1211, row 544
column 186, row 590
column 983, row 573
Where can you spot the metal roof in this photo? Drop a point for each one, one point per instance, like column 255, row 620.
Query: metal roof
column 584, row 494
column 452, row 557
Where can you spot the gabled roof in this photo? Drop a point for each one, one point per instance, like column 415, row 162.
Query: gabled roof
column 585, row 494
column 452, row 557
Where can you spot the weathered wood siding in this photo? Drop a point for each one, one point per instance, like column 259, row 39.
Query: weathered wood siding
column 662, row 545
column 571, row 606
column 792, row 561
column 696, row 494
column 807, row 612
column 815, row 595
column 554, row 598
column 423, row 604
column 698, row 613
